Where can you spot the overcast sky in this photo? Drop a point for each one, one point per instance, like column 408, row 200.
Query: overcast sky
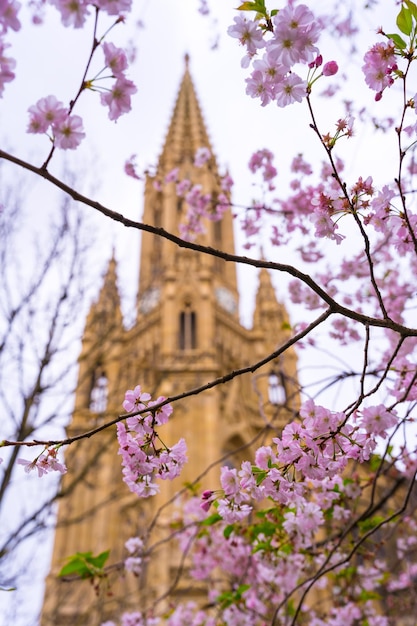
column 50, row 61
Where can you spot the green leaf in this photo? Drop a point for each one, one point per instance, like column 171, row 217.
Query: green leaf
column 405, row 20
column 347, row 572
column 260, row 474
column 374, row 462
column 225, row 599
column 258, row 6
column 231, row 597
column 370, row 523
column 290, row 608
column 264, row 528
column 365, row 595
column 262, row 546
column 286, row 549
column 84, row 564
column 100, row 560
column 274, row 12
column 241, row 590
column 412, row 7
column 398, row 41
column 228, row 531
column 212, row 519
column 8, row 588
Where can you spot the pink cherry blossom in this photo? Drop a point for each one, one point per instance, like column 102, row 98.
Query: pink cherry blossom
column 295, row 32
column 115, row 59
column 135, row 400
column 44, row 464
column 162, row 414
column 130, row 168
column 249, row 35
column 229, row 481
column 203, row 8
column 325, row 227
column 299, row 165
column 172, row 176
column 380, row 62
column 144, row 457
column 257, row 87
column 183, row 186
column 73, row 12
column 8, row 15
column 201, row 157
column 69, row 133
column 232, row 511
column 377, row 420
column 134, row 545
column 134, row 564
column 226, row 183
column 291, row 89
column 7, row 65
column 118, row 97
column 45, row 113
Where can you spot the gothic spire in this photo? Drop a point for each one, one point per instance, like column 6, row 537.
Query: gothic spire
column 107, row 306
column 267, row 309
column 187, row 131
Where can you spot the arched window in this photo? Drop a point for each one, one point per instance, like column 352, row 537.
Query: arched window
column 188, row 330
column 276, row 388
column 99, row 393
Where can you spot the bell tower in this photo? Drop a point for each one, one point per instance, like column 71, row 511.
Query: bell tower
column 187, row 333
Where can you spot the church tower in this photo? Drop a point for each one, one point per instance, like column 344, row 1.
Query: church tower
column 187, row 333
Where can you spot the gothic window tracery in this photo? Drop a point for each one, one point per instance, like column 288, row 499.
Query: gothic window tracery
column 99, row 392
column 187, row 329
column 277, row 394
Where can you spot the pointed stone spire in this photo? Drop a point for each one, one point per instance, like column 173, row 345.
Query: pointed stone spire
column 107, row 307
column 164, row 208
column 267, row 308
column 187, row 131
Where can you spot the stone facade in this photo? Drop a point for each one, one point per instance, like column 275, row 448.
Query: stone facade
column 187, row 333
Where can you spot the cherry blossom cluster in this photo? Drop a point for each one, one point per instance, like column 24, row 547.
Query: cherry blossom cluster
column 262, row 160
column 44, row 463
column 9, row 20
column 250, row 569
column 75, row 12
column 200, row 206
column 252, row 559
column 134, row 561
column 144, row 456
column 288, row 39
column 204, row 7
column 118, row 97
column 49, row 115
column 317, row 448
column 380, row 64
column 134, row 619
column 66, row 131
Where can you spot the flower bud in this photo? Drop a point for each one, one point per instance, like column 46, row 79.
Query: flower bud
column 330, row 68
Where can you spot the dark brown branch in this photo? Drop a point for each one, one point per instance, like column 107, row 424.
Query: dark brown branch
column 335, row 307
column 186, row 394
